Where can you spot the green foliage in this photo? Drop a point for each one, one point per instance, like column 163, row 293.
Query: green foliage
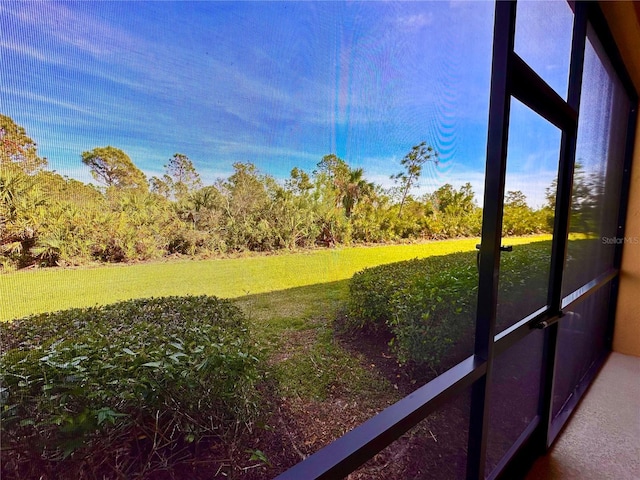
column 180, row 180
column 114, row 168
column 294, row 218
column 455, row 212
column 520, row 219
column 355, row 188
column 246, row 221
column 424, row 303
column 428, row 304
column 371, row 290
column 433, row 314
column 587, row 201
column 17, row 150
column 333, row 202
column 176, row 368
column 50, row 220
column 22, row 209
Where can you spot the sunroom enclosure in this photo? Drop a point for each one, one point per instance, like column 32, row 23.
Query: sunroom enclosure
column 528, row 373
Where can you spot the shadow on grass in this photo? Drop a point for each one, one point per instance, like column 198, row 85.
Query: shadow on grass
column 329, row 379
column 318, row 388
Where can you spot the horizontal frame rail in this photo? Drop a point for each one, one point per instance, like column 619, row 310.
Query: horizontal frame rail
column 528, row 87
column 588, row 289
column 517, row 332
column 353, row 449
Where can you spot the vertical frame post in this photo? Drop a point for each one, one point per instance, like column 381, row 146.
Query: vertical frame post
column 496, row 166
column 561, row 224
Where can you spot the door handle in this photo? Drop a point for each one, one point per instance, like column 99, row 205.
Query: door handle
column 503, row 248
column 547, row 323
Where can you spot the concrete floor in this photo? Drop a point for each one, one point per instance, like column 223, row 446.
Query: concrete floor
column 602, row 438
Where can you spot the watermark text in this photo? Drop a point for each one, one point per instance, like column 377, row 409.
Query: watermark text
column 621, row 240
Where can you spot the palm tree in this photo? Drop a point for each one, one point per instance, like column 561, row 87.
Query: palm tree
column 354, row 189
column 20, row 202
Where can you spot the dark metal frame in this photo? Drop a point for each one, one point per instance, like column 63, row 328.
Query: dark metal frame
column 511, row 77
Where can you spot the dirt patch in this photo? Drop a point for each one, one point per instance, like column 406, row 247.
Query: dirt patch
column 435, row 449
column 374, row 347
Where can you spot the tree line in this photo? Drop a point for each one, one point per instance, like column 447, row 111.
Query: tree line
column 47, row 219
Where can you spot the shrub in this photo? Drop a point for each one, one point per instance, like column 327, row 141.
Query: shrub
column 435, row 312
column 428, row 305
column 371, row 290
column 157, row 372
column 424, row 303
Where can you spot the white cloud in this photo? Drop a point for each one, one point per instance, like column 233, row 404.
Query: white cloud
column 26, row 50
column 73, row 28
column 27, row 95
column 256, row 149
column 415, row 21
column 171, row 88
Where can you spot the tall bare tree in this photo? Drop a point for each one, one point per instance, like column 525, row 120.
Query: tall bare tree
column 412, row 163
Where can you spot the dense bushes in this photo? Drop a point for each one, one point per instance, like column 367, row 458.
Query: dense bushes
column 424, row 303
column 428, row 305
column 150, row 375
column 50, row 220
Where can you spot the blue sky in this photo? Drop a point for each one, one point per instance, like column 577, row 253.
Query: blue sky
column 276, row 84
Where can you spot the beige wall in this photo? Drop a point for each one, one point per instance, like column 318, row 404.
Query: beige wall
column 623, row 19
column 626, row 337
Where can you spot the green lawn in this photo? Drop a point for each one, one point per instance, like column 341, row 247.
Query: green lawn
column 36, row 291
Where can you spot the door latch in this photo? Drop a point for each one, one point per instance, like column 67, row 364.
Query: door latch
column 550, row 321
column 503, row 248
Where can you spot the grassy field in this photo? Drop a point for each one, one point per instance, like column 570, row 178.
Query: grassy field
column 36, row 291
